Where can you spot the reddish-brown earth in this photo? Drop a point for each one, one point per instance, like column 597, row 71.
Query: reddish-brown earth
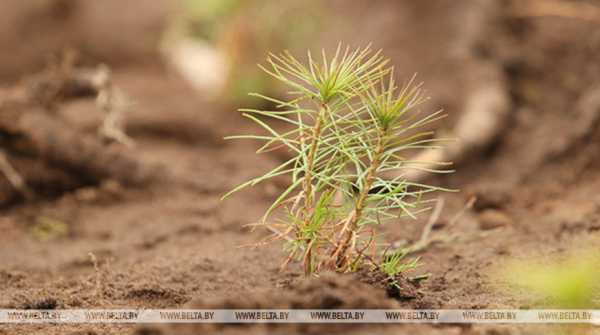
column 177, row 245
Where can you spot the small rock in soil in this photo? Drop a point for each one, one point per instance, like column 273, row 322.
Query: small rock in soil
column 489, row 197
column 492, row 219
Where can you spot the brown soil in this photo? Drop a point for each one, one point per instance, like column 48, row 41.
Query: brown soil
column 177, row 245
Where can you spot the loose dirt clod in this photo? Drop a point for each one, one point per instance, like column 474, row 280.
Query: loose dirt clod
column 30, row 129
column 398, row 287
column 328, row 291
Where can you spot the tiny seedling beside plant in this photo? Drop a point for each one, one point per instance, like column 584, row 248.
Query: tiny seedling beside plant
column 393, row 265
column 348, row 124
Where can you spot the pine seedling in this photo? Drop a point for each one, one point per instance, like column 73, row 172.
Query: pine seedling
column 350, row 124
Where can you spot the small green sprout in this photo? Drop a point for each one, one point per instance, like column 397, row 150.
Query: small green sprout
column 47, row 228
column 350, row 125
column 393, row 265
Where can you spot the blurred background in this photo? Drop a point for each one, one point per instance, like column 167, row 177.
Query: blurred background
column 481, row 61
column 100, row 99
